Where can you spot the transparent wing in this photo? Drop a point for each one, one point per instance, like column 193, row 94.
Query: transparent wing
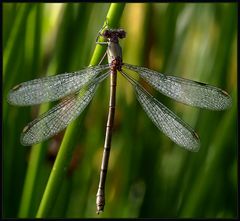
column 166, row 121
column 57, row 118
column 186, row 91
column 53, row 87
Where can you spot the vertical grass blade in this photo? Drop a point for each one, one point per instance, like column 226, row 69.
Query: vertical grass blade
column 66, row 148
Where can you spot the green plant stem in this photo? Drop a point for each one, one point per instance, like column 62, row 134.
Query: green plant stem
column 65, row 152
column 36, row 157
column 38, row 151
column 13, row 43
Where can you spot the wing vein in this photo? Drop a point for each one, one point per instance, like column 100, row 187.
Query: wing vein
column 57, row 118
column 166, row 121
column 185, row 91
column 52, row 88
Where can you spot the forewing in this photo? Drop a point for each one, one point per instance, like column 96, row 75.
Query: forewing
column 53, row 87
column 57, row 118
column 186, row 91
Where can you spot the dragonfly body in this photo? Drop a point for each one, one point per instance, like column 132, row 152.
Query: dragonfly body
column 114, row 52
column 79, row 88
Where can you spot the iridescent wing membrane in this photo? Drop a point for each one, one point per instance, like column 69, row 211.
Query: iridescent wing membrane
column 82, row 85
column 186, row 91
column 189, row 92
column 52, row 88
column 79, row 87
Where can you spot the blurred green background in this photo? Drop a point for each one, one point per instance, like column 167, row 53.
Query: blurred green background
column 149, row 176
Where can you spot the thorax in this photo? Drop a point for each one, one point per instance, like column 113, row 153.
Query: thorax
column 114, row 51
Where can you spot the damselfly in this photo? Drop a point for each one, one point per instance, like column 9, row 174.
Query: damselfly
column 79, row 88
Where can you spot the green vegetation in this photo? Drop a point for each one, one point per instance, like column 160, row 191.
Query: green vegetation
column 149, row 176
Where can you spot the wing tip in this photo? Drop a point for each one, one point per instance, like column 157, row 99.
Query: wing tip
column 14, row 97
column 194, row 145
column 192, row 148
column 23, row 140
column 196, row 148
column 229, row 100
column 10, row 98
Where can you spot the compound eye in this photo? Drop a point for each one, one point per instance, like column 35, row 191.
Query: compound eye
column 106, row 33
column 122, row 34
